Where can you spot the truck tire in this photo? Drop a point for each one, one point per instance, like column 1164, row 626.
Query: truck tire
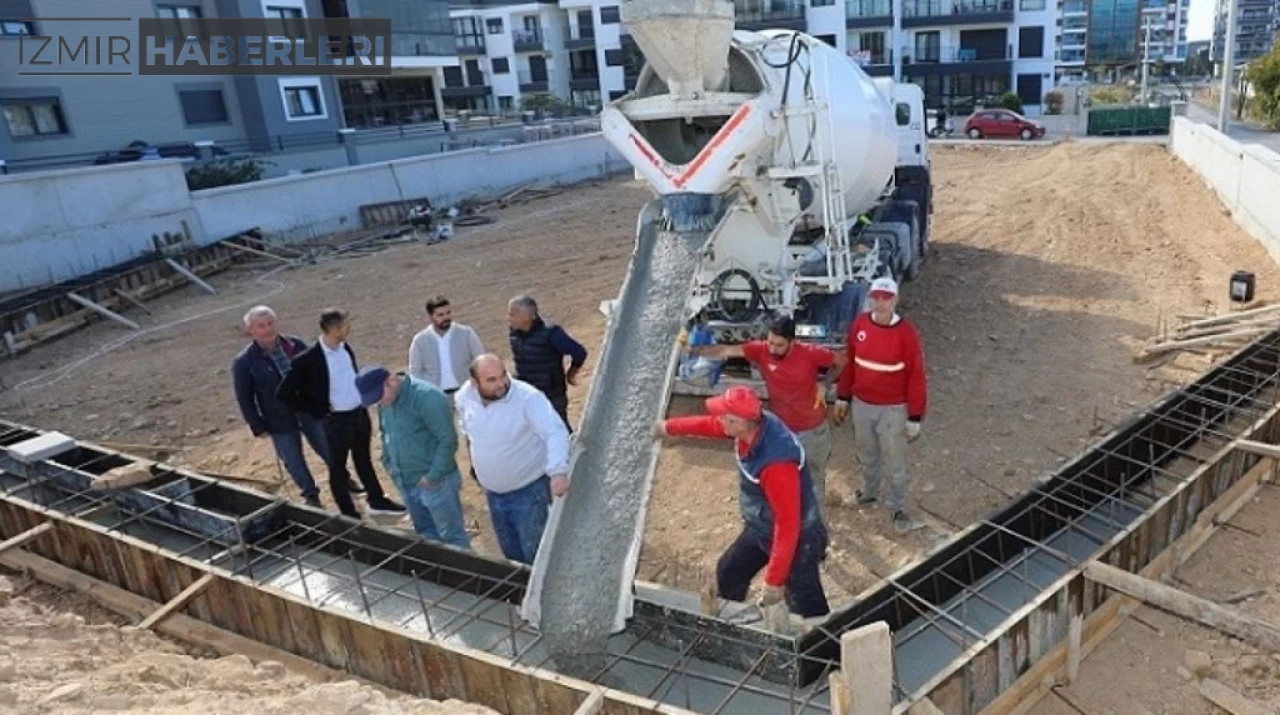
column 908, row 213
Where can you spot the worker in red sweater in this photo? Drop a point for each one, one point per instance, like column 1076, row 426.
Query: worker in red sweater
column 783, row 533
column 791, row 370
column 885, row 380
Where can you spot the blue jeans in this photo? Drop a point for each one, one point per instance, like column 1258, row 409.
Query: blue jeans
column 289, row 449
column 437, row 511
column 520, row 517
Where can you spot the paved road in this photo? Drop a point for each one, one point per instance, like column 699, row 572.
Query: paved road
column 1235, row 130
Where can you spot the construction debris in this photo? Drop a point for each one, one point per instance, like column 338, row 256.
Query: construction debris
column 1221, row 333
column 1231, row 701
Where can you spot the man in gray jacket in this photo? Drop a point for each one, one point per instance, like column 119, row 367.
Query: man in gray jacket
column 442, row 353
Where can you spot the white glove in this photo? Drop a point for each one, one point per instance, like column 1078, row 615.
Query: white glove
column 913, row 431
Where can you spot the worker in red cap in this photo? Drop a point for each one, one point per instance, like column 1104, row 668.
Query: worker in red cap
column 783, row 533
column 884, row 378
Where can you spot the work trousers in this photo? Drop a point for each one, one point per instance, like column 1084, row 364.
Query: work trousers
column 519, row 518
column 560, row 401
column 749, row 554
column 436, row 510
column 349, row 435
column 817, row 453
column 288, row 446
column 880, row 442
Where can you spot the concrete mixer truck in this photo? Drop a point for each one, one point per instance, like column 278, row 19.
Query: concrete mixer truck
column 828, row 168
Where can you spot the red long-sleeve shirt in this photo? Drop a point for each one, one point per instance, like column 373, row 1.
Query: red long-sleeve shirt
column 780, row 483
column 885, row 366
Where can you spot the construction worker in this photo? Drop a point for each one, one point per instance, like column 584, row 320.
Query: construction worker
column 519, row 451
column 884, row 378
column 790, row 369
column 782, row 531
column 539, row 349
column 419, row 451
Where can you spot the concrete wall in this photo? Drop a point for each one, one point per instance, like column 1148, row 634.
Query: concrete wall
column 301, row 207
column 63, row 224
column 1246, row 177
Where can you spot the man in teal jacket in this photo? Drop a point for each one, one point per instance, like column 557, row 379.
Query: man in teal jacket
column 419, row 444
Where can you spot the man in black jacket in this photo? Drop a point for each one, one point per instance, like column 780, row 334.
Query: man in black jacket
column 322, row 383
column 257, row 372
column 539, row 349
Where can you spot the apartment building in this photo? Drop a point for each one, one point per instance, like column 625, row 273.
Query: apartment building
column 73, row 119
column 1114, row 36
column 1257, row 29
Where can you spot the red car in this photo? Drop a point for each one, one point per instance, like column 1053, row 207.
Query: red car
column 1001, row 124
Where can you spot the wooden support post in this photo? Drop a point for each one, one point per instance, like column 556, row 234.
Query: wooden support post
column 132, row 300
column 256, row 252
column 188, row 593
column 866, row 661
column 182, row 270
column 20, row 539
column 841, row 699
column 1073, row 648
column 924, row 706
column 592, row 705
column 1193, row 608
column 85, row 302
column 1259, row 448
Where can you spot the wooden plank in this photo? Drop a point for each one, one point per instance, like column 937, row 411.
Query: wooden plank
column 1189, row 606
column 866, row 660
column 924, row 706
column 1231, row 701
column 592, row 705
column 256, row 252
column 195, row 279
column 132, row 300
column 177, row 602
column 24, row 537
column 1073, row 649
column 840, row 697
column 103, row 311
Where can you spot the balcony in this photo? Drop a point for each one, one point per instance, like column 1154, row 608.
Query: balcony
column 945, row 60
column 584, row 79
column 583, row 39
column 868, row 13
column 778, row 14
column 921, row 13
column 465, row 91
column 469, row 44
column 530, row 82
column 877, row 63
column 1075, row 7
column 527, row 40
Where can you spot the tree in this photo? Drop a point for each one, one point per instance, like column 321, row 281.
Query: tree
column 1264, row 74
column 1010, row 101
column 1054, row 101
column 224, row 173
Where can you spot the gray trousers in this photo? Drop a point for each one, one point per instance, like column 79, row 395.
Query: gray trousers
column 880, row 441
column 817, row 452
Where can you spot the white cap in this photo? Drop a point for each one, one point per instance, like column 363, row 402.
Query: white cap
column 884, row 285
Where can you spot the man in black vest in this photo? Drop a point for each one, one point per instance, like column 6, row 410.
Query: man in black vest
column 539, row 349
column 321, row 382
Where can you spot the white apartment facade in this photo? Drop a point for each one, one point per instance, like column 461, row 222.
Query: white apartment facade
column 1115, row 36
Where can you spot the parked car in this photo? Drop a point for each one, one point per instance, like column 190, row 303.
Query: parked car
column 1001, row 124
column 138, row 150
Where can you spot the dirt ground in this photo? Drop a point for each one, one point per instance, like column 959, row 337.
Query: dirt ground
column 1048, row 269
column 62, row 655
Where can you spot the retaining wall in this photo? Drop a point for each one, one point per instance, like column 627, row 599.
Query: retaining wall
column 1246, row 177
column 60, row 225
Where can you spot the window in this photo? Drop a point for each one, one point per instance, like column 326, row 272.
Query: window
column 613, row 58
column 506, row 102
column 1030, row 89
column 1031, row 42
column 501, row 65
column 178, row 12
column 822, row 3
column 829, row 39
column 902, row 114
column 202, row 106
column 16, row 27
column 302, row 98
column 34, row 117
column 609, row 15
column 493, row 25
column 1031, row 5
column 284, row 13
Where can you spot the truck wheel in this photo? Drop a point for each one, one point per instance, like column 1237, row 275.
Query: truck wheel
column 975, row 133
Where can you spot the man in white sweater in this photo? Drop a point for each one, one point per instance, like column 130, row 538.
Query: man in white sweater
column 443, row 352
column 519, row 451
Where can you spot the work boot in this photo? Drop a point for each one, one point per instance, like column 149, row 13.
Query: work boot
column 355, row 487
column 903, row 523
column 386, row 507
column 313, row 500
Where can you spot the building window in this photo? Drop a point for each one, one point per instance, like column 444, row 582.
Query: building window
column 1030, row 42
column 34, row 117
column 284, row 13
column 302, row 98
column 609, row 15
column 613, row 58
column 501, row 65
column 493, row 25
column 202, row 106
column 822, row 3
column 16, row 27
column 178, row 12
column 1031, row 5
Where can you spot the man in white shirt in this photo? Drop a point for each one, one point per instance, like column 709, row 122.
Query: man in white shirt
column 442, row 353
column 519, row 451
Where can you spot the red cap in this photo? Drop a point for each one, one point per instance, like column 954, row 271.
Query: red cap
column 738, row 401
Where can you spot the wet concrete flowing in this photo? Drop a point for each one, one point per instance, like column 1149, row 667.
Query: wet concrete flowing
column 582, row 581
